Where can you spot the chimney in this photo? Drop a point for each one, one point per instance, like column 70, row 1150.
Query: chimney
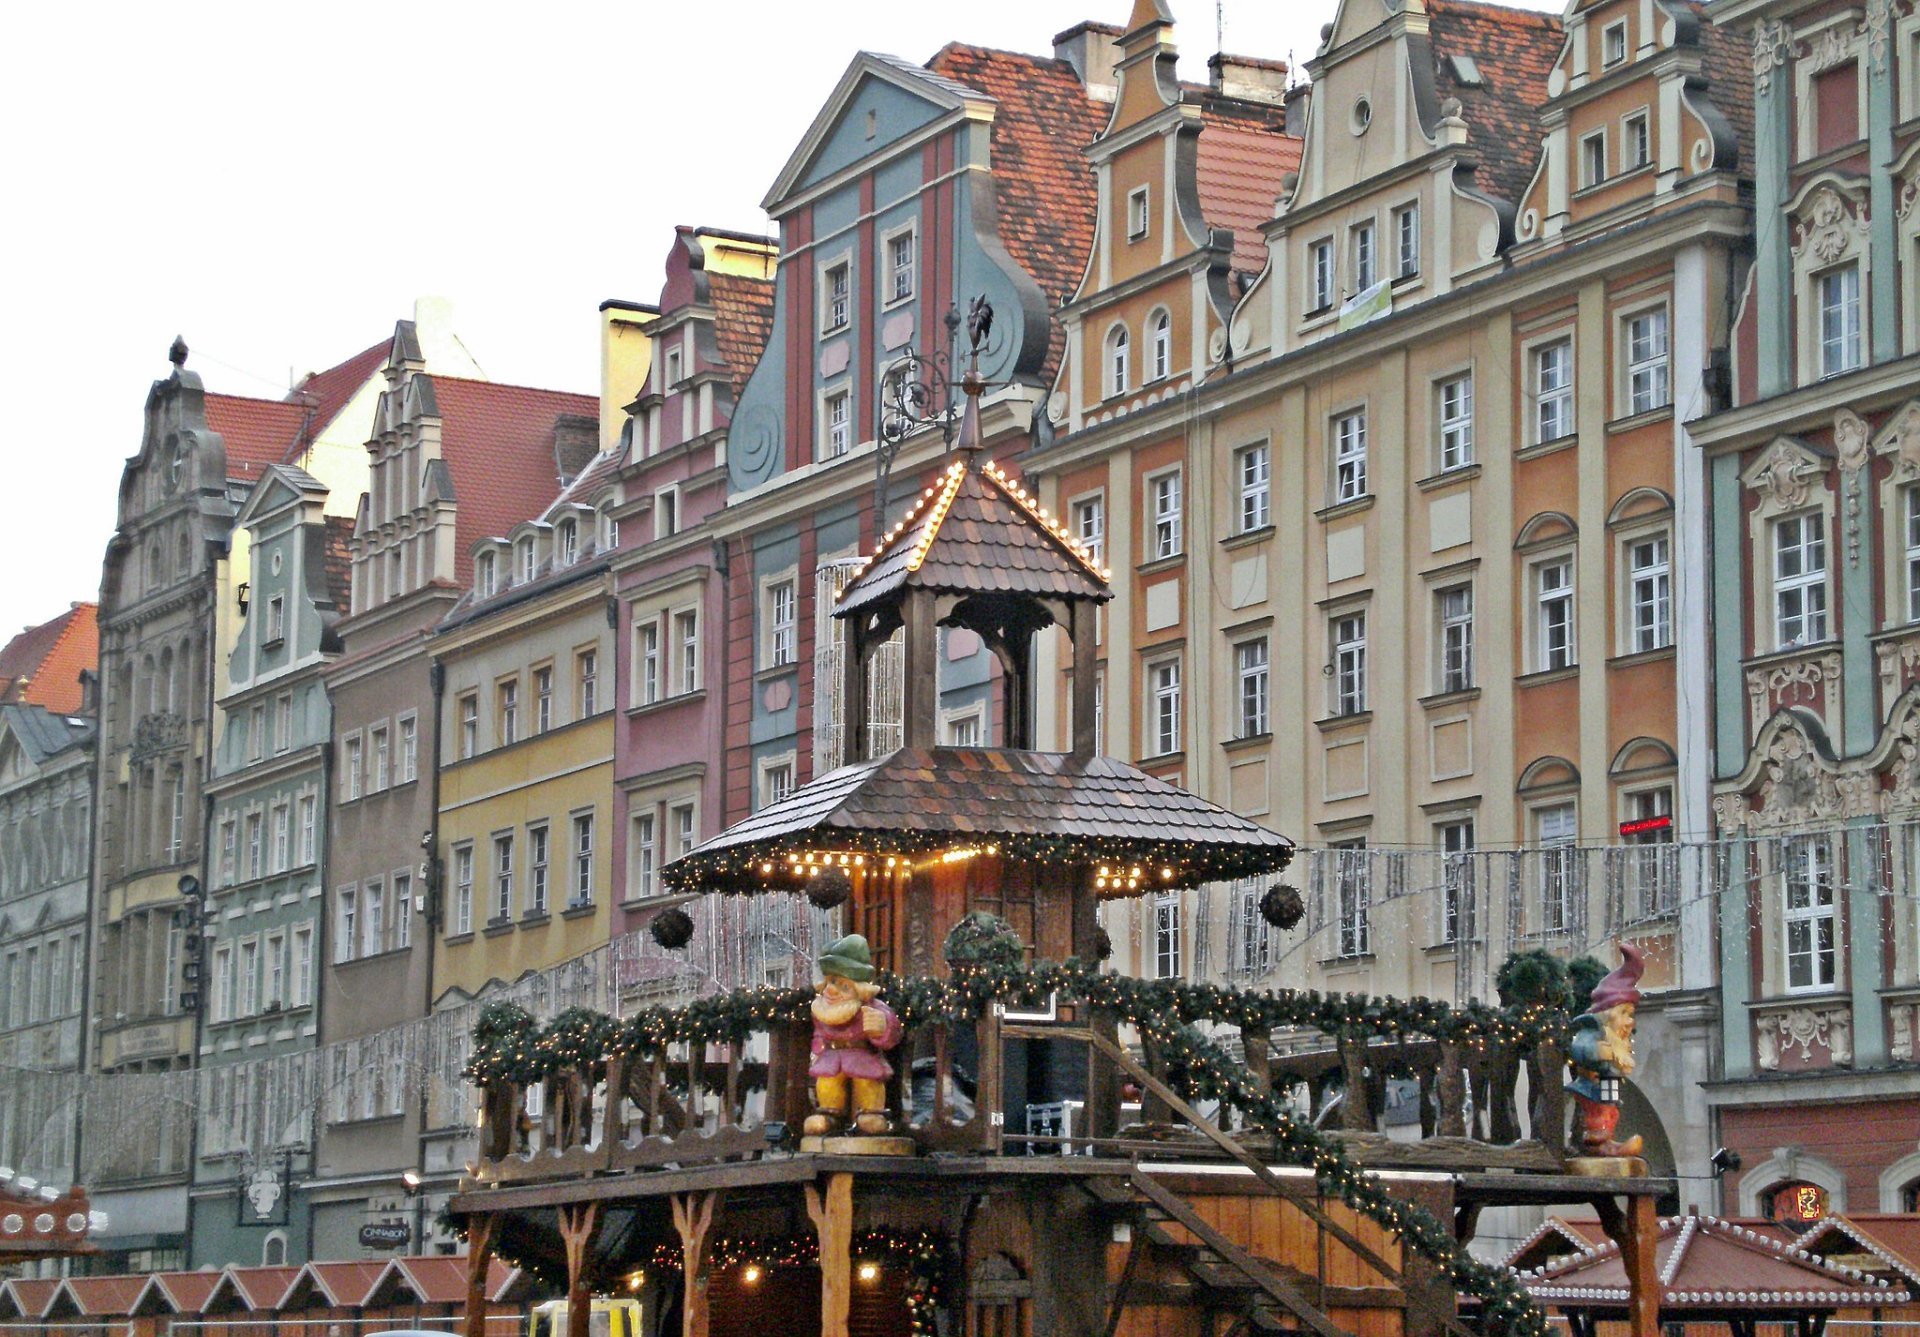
column 1298, row 97
column 626, row 354
column 1248, row 79
column 576, row 440
column 440, row 347
column 1092, row 49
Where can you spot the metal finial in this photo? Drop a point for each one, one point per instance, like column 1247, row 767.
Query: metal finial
column 178, row 353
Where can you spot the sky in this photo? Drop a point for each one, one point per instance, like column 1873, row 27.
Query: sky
column 278, row 183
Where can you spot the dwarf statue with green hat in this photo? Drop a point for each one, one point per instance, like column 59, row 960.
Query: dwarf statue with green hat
column 852, row 1030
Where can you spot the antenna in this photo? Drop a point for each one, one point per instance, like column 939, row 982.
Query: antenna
column 1219, row 25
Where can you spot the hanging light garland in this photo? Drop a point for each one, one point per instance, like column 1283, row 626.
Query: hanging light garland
column 927, row 1259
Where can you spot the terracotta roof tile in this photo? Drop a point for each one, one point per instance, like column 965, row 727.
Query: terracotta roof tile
column 742, row 321
column 31, row 1294
column 257, row 432
column 1042, row 180
column 1515, row 50
column 93, row 1297
column 41, row 666
column 184, row 1292
column 344, row 1284
column 1728, row 60
column 1241, row 161
column 329, row 391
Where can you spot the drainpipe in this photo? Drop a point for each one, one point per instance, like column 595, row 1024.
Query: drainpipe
column 437, row 679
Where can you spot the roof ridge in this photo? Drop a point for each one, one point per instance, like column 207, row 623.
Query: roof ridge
column 441, row 378
column 985, row 50
column 1531, row 18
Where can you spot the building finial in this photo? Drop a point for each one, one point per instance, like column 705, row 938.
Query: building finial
column 177, row 354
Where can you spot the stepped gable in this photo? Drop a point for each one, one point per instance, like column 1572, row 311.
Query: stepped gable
column 742, row 321
column 1240, row 162
column 1515, row 50
column 1043, row 184
column 976, row 531
column 41, row 666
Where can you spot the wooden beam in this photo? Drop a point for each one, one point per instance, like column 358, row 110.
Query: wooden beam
column 693, row 1218
column 579, row 1225
column 483, row 1229
column 1135, row 1247
column 832, row 1215
column 1636, row 1229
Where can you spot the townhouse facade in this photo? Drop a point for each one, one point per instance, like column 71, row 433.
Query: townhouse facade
column 262, row 931
column 1814, row 514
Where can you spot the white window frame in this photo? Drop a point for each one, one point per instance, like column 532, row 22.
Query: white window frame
column 409, row 726
column 1838, row 327
column 1089, row 518
column 346, row 923
column 506, row 719
column 566, row 543
column 1454, row 915
column 586, row 682
column 1406, row 240
column 666, row 511
column 685, row 622
column 350, row 769
column 964, row 728
column 1253, row 471
column 1608, row 57
column 1557, row 851
column 836, row 432
column 1807, row 865
column 1453, row 637
column 1647, row 381
column 539, row 868
column 1320, row 275
column 468, row 704
column 500, row 904
column 1159, row 345
column 897, row 274
column 1162, row 727
column 486, row 574
column 1593, row 159
column 1166, row 512
column 1551, row 398
column 777, row 779
column 643, row 861
column 836, row 310
column 1117, row 363
column 300, row 967
column 1453, row 409
column 1636, row 140
column 373, row 917
column 542, row 698
column 683, row 819
column 1910, row 506
column 1352, row 899
column 1802, row 605
column 1555, row 613
column 580, row 838
column 1139, row 213
column 1168, row 957
column 1347, row 437
column 1646, row 564
column 1363, row 244
column 1347, row 655
column 1253, row 688
column 380, row 745
column 463, row 888
column 780, row 645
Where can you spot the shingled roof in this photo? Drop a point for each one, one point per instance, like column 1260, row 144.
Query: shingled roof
column 41, row 666
column 257, row 432
column 1240, row 162
column 742, row 321
column 976, row 531
column 1514, row 50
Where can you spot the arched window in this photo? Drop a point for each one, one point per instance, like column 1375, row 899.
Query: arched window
column 1117, row 352
column 1160, row 346
column 273, row 1249
column 567, row 544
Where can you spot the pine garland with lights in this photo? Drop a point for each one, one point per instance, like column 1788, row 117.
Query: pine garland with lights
column 928, row 1259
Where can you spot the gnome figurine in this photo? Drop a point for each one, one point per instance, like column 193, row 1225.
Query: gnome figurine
column 1601, row 1053
column 852, row 1031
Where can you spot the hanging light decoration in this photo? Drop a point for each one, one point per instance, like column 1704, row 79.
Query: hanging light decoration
column 672, row 928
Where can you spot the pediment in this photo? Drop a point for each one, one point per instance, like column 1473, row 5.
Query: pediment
column 1354, row 19
column 1900, row 437
column 278, row 487
column 1787, row 472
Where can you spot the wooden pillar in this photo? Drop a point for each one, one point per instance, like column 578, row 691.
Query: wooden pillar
column 853, row 688
column 482, row 1235
column 1084, row 672
column 920, row 672
column 1636, row 1230
column 693, row 1218
column 832, row 1213
column 579, row 1224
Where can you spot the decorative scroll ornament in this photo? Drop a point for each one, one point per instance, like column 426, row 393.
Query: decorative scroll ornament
column 1905, row 434
column 1874, row 26
column 1772, row 49
column 1785, row 476
column 1798, row 789
column 1832, row 47
column 1850, row 439
column 1825, row 228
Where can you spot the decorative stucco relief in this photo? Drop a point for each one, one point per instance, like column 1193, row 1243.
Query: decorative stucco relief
column 1828, row 228
column 1875, row 25
column 1785, row 476
column 1828, row 1030
column 1772, row 49
column 1795, row 682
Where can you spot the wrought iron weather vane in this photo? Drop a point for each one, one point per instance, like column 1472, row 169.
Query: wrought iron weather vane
column 917, row 391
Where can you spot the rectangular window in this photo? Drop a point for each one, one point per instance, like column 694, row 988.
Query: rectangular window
column 1910, row 496
column 1650, row 595
column 1839, row 305
column 837, row 302
column 1365, row 268
column 586, row 683
column 283, row 724
column 776, row 782
column 509, row 692
column 1255, row 471
column 256, row 732
column 647, row 679
column 964, row 731
column 373, row 917
column 1165, row 490
column 582, row 889
column 1456, row 423
column 1138, row 220
column 307, row 851
column 1647, row 361
column 542, row 699
column 229, row 852
column 176, row 815
column 1593, row 159
column 256, row 847
column 463, row 889
column 644, row 855
column 382, row 759
column 276, row 619
column 282, row 838
column 1554, row 830
column 1250, row 665
column 782, row 623
column 686, row 833
column 1809, row 913
column 1349, row 637
column 1090, row 526
column 1454, row 608
column 1349, row 457
column 686, row 633
column 351, row 780
column 900, row 251
column 1320, row 263
column 1406, row 229
column 502, row 879
column 409, row 751
column 402, row 910
column 839, row 420
column 1163, row 707
column 1456, row 881
column 346, row 924
column 300, row 982
column 220, row 1004
column 1553, row 614
column 671, row 371
column 1166, row 936
column 1653, row 869
column 1353, row 898
column 469, row 725
column 539, row 852
column 1613, row 43
column 1637, row 149
column 1553, row 391
column 1800, row 580
column 1254, row 954
column 666, row 512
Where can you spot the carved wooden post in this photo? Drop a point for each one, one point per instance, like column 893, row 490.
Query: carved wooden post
column 1356, row 1101
column 1637, row 1231
column 481, row 1232
column 989, row 1107
column 579, row 1224
column 613, row 1128
column 832, row 1215
column 693, row 1218
column 1549, row 1079
column 1503, row 1074
column 1451, row 1084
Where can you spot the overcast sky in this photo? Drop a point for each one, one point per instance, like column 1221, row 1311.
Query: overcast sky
column 278, row 182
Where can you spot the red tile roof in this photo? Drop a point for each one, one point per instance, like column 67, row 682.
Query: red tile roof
column 497, row 440
column 742, row 321
column 329, row 391
column 92, row 1297
column 1241, row 161
column 258, row 432
column 30, row 1294
column 341, row 1284
column 438, row 1280
column 1042, row 180
column 1894, row 1236
column 1729, row 65
column 41, row 666
column 263, row 1287
column 1515, row 51
column 181, row 1292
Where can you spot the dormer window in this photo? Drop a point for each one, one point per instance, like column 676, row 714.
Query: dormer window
column 609, row 529
column 566, row 547
column 1138, row 221
column 1613, row 44
column 526, row 559
column 486, row 575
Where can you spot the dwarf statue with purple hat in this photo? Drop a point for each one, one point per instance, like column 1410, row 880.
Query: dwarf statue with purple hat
column 852, row 1032
column 1601, row 1053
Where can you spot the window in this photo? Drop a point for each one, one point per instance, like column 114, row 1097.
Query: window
column 509, row 692
column 373, row 917
column 686, row 833
column 282, row 838
column 671, row 369
column 1554, row 830
column 229, row 851
column 782, row 623
column 283, row 724
column 686, row 634
column 643, row 855
column 1160, row 346
column 1456, row 423
column 1636, row 150
column 1349, row 636
column 1613, row 43
column 1406, row 230
column 1250, row 666
column 586, row 682
column 1454, row 608
column 1593, row 158
column 543, row 699
column 1163, row 708
column 1808, row 870
column 647, row 680
column 220, row 1004
column 1138, row 220
column 256, row 860
column 776, row 782
column 409, row 751
column 1553, row 614
column 1838, row 297
column 1456, row 881
column 1364, row 259
column 1090, row 526
column 1650, row 593
column 837, row 287
column 1166, row 935
column 1117, row 360
column 276, row 619
column 1910, row 496
column 402, row 910
column 666, row 512
column 1320, row 266
column 382, row 759
column 1255, row 953
column 839, row 439
column 1349, row 457
column 1353, row 898
column 350, row 781
column 1800, row 580
column 964, row 730
column 347, row 925
column 1255, row 472
column 463, row 889
column 1553, row 391
column 528, row 564
column 469, row 724
column 566, row 543
column 1653, row 870
column 1647, row 361
column 609, row 529
column 1165, row 491
column 486, row 576
column 582, row 891
column 300, row 969
column 502, row 879
column 900, row 252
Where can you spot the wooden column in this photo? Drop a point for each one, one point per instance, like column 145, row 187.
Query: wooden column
column 853, row 688
column 693, row 1218
column 1636, row 1230
column 920, row 672
column 832, row 1213
column 579, row 1225
column 1084, row 673
column 482, row 1234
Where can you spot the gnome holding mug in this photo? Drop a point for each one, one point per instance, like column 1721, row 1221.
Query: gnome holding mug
column 1601, row 1053
column 852, row 1030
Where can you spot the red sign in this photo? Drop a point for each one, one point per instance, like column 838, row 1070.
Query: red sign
column 1646, row 825
column 1799, row 1202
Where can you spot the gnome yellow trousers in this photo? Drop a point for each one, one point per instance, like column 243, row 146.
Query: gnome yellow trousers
column 830, row 1095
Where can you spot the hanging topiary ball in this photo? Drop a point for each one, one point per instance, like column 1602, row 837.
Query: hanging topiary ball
column 672, row 928
column 1102, row 945
column 829, row 888
column 1281, row 906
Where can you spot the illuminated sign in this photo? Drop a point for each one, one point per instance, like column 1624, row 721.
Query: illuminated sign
column 1798, row 1202
column 1646, row 826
